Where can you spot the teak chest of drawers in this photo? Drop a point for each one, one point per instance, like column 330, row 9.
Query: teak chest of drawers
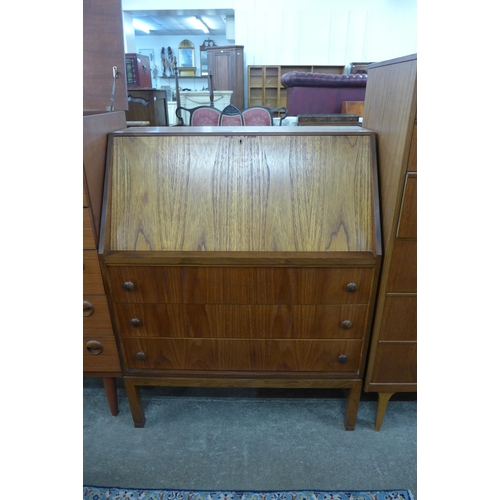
column 245, row 257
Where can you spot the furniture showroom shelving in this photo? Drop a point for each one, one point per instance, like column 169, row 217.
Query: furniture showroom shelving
column 264, row 82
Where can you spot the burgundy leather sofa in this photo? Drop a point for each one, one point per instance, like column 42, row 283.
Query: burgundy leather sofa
column 319, row 93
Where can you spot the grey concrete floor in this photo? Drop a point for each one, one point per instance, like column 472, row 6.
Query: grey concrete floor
column 248, row 439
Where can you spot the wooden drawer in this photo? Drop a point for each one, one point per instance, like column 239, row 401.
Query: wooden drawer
column 88, row 234
column 403, row 270
column 230, row 285
column 407, row 227
column 96, row 319
column 237, row 321
column 100, row 354
column 243, row 355
column 92, row 278
column 399, row 319
column 395, row 363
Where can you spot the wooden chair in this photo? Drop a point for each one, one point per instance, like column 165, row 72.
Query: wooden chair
column 231, row 116
column 201, row 116
column 260, row 116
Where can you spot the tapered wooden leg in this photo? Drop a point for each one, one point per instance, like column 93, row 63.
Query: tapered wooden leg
column 111, row 394
column 351, row 412
column 135, row 402
column 383, row 399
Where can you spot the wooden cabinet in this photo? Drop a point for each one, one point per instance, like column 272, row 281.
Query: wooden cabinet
column 242, row 258
column 390, row 111
column 148, row 105
column 227, row 66
column 100, row 353
column 264, row 82
column 103, row 50
column 138, row 71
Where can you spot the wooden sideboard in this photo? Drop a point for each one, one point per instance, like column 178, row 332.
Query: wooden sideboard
column 391, row 111
column 242, row 258
column 148, row 105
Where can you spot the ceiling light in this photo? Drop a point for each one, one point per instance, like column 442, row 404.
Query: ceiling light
column 208, row 22
column 139, row 25
column 199, row 24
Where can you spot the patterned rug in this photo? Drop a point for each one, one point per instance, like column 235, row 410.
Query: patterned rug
column 101, row 493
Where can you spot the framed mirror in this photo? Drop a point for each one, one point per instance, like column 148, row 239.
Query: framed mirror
column 186, row 54
column 204, row 57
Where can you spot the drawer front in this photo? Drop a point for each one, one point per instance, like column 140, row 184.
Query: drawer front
column 403, row 268
column 399, row 319
column 88, row 235
column 243, row 355
column 92, row 278
column 395, row 364
column 227, row 285
column 407, row 227
column 96, row 319
column 100, row 354
column 237, row 321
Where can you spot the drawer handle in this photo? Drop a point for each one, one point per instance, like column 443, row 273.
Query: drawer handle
column 129, row 286
column 88, row 308
column 135, row 322
column 351, row 287
column 342, row 359
column 94, row 347
column 141, row 356
column 346, row 324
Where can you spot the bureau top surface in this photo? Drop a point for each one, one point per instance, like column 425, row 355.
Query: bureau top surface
column 246, row 190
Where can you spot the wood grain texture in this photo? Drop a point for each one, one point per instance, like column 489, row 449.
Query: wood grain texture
column 99, row 322
column 402, row 277
column 242, row 193
column 243, row 355
column 106, row 361
column 96, row 128
column 92, row 278
column 390, row 111
column 241, row 321
column 407, row 227
column 399, row 319
column 412, row 160
column 88, row 231
column 396, row 363
column 103, row 48
column 225, row 285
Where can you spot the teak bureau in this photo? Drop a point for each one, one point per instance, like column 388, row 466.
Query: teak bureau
column 242, row 257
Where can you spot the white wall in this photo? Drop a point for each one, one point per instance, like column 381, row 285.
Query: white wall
column 308, row 32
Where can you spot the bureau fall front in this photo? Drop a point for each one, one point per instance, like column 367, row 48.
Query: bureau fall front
column 244, row 257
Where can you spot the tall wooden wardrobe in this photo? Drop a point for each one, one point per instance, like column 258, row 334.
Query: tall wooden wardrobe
column 227, row 66
column 391, row 111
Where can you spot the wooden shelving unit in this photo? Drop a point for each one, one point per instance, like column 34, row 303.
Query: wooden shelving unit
column 264, row 82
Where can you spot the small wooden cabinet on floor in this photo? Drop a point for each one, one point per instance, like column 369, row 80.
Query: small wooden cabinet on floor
column 391, row 111
column 242, row 258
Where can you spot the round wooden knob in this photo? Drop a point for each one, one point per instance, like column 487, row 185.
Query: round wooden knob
column 129, row 286
column 351, row 287
column 94, row 347
column 342, row 359
column 88, row 308
column 135, row 322
column 346, row 324
column 141, row 356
